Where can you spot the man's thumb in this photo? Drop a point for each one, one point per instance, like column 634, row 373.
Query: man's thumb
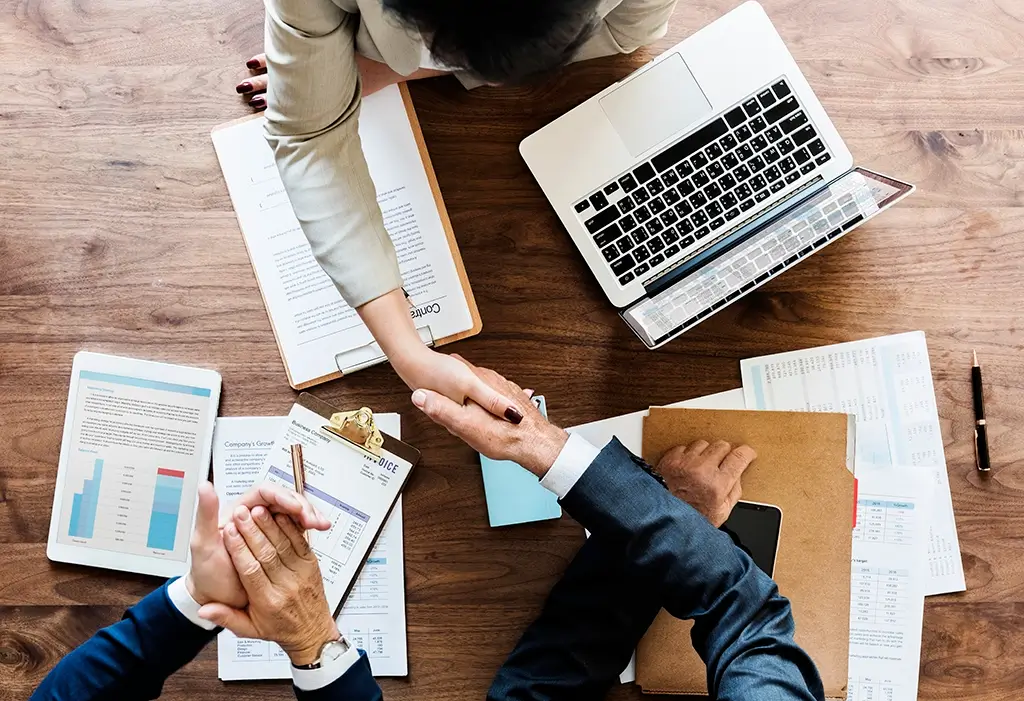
column 238, row 622
column 207, row 512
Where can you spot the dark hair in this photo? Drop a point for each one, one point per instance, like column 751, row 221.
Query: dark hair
column 499, row 41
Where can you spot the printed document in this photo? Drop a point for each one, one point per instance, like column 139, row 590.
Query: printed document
column 889, row 572
column 887, row 383
column 310, row 319
column 373, row 615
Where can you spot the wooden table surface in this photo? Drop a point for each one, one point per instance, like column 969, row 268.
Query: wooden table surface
column 116, row 235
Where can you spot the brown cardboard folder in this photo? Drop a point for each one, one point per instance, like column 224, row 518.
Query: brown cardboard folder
column 802, row 466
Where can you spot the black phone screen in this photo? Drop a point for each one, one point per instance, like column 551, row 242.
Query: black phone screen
column 755, row 530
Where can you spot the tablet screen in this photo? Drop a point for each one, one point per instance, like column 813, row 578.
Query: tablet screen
column 136, row 453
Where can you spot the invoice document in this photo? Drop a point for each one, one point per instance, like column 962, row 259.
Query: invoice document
column 887, row 383
column 889, row 573
column 311, row 321
column 373, row 614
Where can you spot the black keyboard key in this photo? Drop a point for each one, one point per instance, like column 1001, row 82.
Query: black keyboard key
column 787, row 164
column 755, row 164
column 671, row 197
column 714, row 209
column 751, row 107
column 657, row 260
column 698, row 200
column 802, row 156
column 712, row 191
column 641, row 196
column 701, row 232
column 822, row 159
column 759, row 143
column 766, row 98
column 816, row 147
column 607, row 236
column 735, row 117
column 728, row 200
column 742, row 173
column 758, row 124
column 762, row 195
column 654, row 226
column 699, row 160
column 655, row 187
column 715, row 170
column 805, row 169
column 641, row 269
column 684, row 169
column 639, row 236
column 730, row 161
column 731, row 214
column 627, row 278
column 727, row 181
column 686, row 188
column 582, row 206
column 700, row 179
column 627, row 182
column 610, row 253
column 780, row 89
column 669, row 218
column 793, row 122
column 601, row 220
column 656, row 206
column 683, row 208
column 626, row 205
column 625, row 244
column 746, row 204
column 599, row 201
column 804, row 135
column 772, row 174
column 785, row 146
column 727, row 142
column 642, row 214
column 622, row 265
column 656, row 245
column 641, row 254
column 743, row 191
column 688, row 241
column 671, row 251
column 694, row 142
column 628, row 223
column 773, row 134
column 744, row 152
column 610, row 188
column 699, row 219
column 670, row 236
column 643, row 172
column 743, row 133
column 771, row 155
column 685, row 226
column 714, row 152
column 717, row 223
column 781, row 110
column 776, row 187
column 758, row 182
column 792, row 177
column 670, row 178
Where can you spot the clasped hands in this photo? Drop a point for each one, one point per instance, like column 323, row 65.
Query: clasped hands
column 256, row 575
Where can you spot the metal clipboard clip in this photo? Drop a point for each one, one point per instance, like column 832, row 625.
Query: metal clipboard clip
column 371, row 354
column 358, row 429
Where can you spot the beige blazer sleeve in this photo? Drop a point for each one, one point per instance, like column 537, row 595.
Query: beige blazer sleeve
column 312, row 126
column 628, row 26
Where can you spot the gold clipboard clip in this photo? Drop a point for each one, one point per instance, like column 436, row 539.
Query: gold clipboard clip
column 359, row 430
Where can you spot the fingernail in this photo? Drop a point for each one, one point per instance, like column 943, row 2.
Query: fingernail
column 252, row 64
column 513, row 415
column 258, row 102
column 230, row 531
column 259, row 513
column 242, row 513
column 419, row 398
column 242, row 88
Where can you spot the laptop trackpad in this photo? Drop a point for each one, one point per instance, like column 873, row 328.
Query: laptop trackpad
column 655, row 105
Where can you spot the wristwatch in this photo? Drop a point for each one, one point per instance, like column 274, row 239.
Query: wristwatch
column 329, row 652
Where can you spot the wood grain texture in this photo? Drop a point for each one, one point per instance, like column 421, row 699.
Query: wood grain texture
column 117, row 235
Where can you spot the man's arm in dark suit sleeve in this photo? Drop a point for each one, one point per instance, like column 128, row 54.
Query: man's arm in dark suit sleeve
column 129, row 660
column 356, row 684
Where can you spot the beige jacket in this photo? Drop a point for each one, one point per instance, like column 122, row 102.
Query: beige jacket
column 313, row 113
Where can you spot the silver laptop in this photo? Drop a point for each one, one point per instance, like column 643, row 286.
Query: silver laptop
column 703, row 175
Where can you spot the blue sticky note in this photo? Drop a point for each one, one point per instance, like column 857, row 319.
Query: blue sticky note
column 514, row 494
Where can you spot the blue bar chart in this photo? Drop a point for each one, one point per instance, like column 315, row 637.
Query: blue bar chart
column 163, row 521
column 84, row 503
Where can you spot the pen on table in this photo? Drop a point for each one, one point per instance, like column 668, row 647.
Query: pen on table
column 299, row 475
column 981, row 457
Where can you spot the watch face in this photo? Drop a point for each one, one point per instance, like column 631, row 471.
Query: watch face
column 333, row 650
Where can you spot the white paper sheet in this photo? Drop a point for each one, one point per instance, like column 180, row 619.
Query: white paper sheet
column 310, row 319
column 887, row 383
column 889, row 572
column 373, row 616
column 629, row 429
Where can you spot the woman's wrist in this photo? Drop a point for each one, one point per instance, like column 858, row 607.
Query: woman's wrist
column 388, row 319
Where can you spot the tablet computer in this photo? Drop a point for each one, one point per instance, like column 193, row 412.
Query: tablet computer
column 136, row 445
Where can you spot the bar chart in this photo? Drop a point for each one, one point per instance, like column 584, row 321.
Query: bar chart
column 163, row 521
column 84, row 503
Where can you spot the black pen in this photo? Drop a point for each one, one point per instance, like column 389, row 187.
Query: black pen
column 980, row 427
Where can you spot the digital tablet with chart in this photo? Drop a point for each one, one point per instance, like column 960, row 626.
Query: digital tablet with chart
column 136, row 444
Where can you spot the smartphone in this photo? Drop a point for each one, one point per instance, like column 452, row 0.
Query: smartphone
column 755, row 528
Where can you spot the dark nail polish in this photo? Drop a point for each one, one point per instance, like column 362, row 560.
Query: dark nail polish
column 513, row 415
column 252, row 64
column 258, row 103
column 243, row 88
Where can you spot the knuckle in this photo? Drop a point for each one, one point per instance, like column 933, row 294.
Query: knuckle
column 251, row 569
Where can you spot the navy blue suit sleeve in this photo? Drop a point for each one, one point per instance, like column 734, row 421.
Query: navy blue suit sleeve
column 356, row 684
column 129, row 660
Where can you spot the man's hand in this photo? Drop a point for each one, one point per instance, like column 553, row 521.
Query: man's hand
column 212, row 575
column 281, row 577
column 534, row 443
column 707, row 477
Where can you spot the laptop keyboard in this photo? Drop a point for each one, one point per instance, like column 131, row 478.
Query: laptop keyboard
column 668, row 206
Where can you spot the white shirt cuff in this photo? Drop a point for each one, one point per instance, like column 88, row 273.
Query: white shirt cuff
column 571, row 463
column 330, row 672
column 186, row 605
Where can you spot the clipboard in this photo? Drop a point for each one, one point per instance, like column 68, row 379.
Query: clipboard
column 354, row 359
column 389, row 444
